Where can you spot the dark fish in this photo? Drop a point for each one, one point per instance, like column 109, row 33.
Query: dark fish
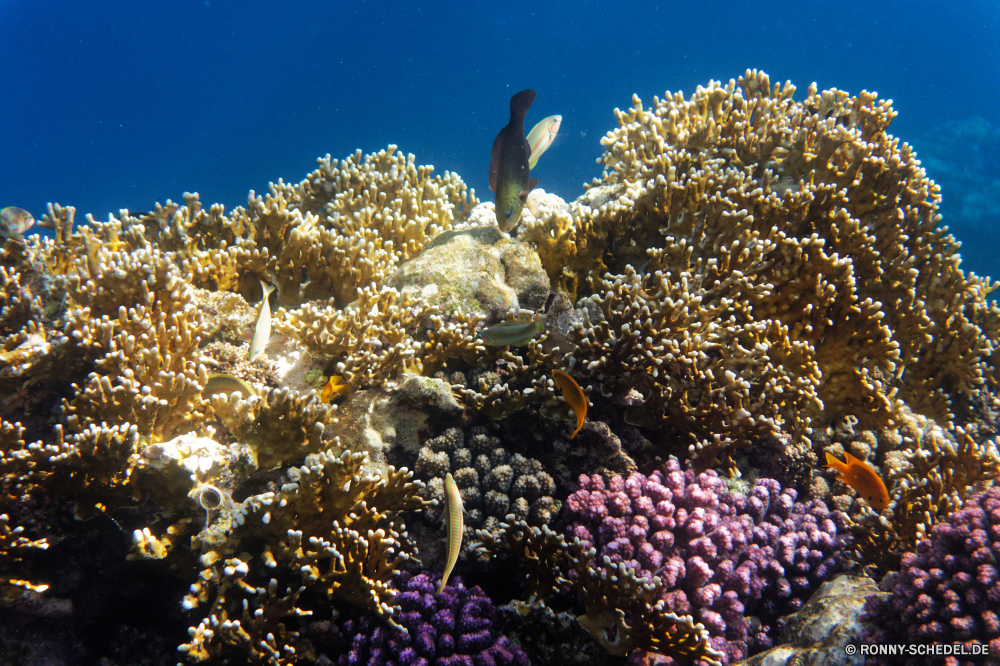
column 227, row 384
column 510, row 175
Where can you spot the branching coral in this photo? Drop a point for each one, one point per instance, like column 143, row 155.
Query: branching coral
column 938, row 471
column 332, row 529
column 793, row 252
column 622, row 611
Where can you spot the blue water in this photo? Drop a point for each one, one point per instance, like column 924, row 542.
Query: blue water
column 110, row 105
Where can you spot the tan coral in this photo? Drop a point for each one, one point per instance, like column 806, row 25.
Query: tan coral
column 807, row 236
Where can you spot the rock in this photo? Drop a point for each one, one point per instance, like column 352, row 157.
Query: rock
column 479, row 270
column 375, row 419
column 819, row 633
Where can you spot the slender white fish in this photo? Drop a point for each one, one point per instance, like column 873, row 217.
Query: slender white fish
column 262, row 331
column 541, row 137
column 455, row 525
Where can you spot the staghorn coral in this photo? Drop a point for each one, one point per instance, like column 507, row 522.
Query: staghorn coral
column 770, row 264
column 11, row 542
column 331, row 532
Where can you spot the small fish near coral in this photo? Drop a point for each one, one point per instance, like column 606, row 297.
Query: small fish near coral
column 14, row 222
column 541, row 137
column 454, row 526
column 262, row 331
column 860, row 476
column 573, row 395
column 510, row 175
column 227, row 384
column 335, row 386
column 515, row 332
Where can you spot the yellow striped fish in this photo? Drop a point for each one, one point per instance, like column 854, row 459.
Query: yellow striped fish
column 516, row 332
column 455, row 525
column 541, row 137
column 227, row 384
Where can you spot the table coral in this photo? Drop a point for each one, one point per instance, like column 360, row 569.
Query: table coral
column 454, row 627
column 721, row 556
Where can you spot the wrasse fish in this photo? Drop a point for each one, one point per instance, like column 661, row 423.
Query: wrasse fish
column 573, row 395
column 262, row 331
column 14, row 222
column 516, row 332
column 335, row 386
column 541, row 137
column 510, row 175
column 221, row 383
column 454, row 525
column 860, row 476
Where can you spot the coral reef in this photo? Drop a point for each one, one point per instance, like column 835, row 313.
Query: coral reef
column 478, row 271
column 822, row 629
column 948, row 591
column 492, row 482
column 754, row 281
column 622, row 611
column 457, row 626
column 721, row 556
column 766, row 265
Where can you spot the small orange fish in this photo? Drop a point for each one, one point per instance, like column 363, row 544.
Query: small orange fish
column 334, row 387
column 860, row 476
column 573, row 395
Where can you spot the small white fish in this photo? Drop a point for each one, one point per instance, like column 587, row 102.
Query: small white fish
column 262, row 331
column 454, row 525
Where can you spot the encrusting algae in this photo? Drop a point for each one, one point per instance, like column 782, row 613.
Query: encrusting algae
column 753, row 282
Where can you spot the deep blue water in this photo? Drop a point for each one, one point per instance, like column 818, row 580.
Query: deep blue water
column 110, row 105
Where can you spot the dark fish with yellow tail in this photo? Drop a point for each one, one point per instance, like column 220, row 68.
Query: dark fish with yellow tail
column 510, row 175
column 516, row 332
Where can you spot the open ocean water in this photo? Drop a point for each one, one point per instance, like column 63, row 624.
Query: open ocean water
column 111, row 105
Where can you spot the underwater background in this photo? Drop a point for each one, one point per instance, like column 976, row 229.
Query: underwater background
column 110, row 105
column 719, row 391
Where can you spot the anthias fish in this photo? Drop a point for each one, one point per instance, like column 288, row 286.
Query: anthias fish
column 573, row 395
column 227, row 384
column 860, row 476
column 262, row 331
column 510, row 175
column 516, row 332
column 454, row 525
column 14, row 222
column 541, row 137
column 335, row 386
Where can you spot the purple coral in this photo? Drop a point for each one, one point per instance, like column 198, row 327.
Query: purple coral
column 454, row 628
column 949, row 590
column 721, row 556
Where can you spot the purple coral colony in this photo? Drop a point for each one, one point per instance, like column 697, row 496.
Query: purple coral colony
column 756, row 285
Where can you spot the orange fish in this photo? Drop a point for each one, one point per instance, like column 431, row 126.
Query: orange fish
column 860, row 476
column 572, row 394
column 334, row 387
